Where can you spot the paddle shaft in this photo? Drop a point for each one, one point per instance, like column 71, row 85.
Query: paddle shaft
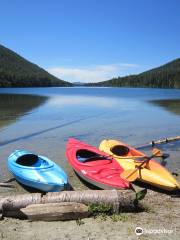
column 138, row 167
column 127, row 157
column 157, row 142
column 132, row 157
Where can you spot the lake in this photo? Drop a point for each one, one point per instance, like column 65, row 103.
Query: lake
column 42, row 119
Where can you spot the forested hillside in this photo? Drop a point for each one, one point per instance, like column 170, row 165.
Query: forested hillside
column 166, row 76
column 15, row 71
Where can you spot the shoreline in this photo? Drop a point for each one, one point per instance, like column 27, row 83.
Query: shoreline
column 162, row 211
column 161, row 214
column 159, row 220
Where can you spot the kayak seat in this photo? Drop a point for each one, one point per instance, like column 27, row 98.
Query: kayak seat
column 120, row 150
column 28, row 160
column 86, row 156
column 83, row 155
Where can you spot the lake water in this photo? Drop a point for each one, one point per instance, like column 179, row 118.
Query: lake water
column 42, row 119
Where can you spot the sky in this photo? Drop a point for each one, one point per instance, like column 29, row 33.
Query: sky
column 92, row 40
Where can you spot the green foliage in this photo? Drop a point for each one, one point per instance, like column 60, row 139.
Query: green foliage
column 148, row 209
column 79, row 222
column 104, row 212
column 102, row 216
column 166, row 76
column 141, row 194
column 119, row 217
column 97, row 208
column 16, row 71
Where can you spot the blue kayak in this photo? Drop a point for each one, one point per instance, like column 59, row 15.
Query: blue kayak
column 37, row 171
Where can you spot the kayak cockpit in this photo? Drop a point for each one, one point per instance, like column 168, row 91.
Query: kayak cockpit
column 120, row 150
column 28, row 160
column 31, row 160
column 84, row 156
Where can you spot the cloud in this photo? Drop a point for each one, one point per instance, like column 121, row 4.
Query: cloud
column 92, row 73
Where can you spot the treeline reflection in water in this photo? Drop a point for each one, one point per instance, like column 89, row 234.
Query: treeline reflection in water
column 13, row 106
column 172, row 105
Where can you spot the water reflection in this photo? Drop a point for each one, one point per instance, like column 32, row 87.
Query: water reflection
column 171, row 105
column 81, row 100
column 13, row 106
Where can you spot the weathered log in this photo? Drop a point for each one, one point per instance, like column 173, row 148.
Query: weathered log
column 15, row 203
column 14, row 214
column 119, row 200
column 2, row 200
column 56, row 211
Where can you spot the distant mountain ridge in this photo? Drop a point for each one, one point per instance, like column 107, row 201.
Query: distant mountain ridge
column 165, row 76
column 16, row 71
column 79, row 83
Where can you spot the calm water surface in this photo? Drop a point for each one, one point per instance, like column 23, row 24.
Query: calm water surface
column 42, row 119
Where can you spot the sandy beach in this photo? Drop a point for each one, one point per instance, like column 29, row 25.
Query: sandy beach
column 160, row 220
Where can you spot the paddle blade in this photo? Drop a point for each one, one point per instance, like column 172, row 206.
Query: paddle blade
column 130, row 175
column 157, row 152
column 165, row 155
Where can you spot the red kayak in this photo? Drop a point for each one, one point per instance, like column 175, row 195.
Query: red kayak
column 95, row 166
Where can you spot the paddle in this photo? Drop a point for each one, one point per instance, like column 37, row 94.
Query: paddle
column 163, row 156
column 132, row 174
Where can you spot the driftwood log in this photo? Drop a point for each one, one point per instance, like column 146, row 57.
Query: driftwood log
column 56, row 211
column 119, row 200
column 10, row 206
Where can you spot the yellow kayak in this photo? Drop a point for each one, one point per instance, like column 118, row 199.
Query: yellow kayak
column 129, row 158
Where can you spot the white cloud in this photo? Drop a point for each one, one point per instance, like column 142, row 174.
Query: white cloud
column 92, row 73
